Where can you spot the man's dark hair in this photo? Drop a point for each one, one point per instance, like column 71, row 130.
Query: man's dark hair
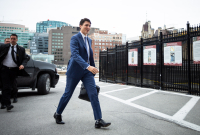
column 14, row 35
column 83, row 20
column 5, row 39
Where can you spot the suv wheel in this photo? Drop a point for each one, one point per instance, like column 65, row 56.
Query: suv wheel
column 44, row 83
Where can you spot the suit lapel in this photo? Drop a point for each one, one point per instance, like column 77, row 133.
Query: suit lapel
column 18, row 54
column 82, row 41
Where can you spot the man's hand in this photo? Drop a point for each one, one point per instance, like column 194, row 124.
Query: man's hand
column 93, row 69
column 21, row 67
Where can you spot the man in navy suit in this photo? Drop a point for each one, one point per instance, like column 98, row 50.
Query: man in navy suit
column 81, row 67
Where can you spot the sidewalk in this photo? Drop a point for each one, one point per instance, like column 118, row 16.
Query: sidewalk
column 174, row 107
column 131, row 111
column 63, row 72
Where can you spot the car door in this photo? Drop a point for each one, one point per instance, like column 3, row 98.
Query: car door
column 25, row 81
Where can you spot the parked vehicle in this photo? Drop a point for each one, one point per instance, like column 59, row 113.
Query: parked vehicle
column 42, row 76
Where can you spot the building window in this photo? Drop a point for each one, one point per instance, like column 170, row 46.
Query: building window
column 99, row 47
column 113, row 37
column 99, row 43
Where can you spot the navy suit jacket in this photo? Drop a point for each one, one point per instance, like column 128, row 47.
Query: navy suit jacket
column 78, row 61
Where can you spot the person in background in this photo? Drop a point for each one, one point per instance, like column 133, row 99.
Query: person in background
column 7, row 41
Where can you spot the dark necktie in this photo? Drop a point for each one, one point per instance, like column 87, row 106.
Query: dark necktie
column 13, row 56
column 87, row 46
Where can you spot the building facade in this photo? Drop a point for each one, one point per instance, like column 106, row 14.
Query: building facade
column 41, row 27
column 101, row 40
column 59, row 43
column 23, row 37
column 39, row 43
column 13, row 27
column 147, row 31
column 43, row 57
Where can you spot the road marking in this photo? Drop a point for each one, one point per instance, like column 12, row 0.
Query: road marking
column 116, row 90
column 99, row 82
column 141, row 96
column 107, row 85
column 165, row 116
column 181, row 114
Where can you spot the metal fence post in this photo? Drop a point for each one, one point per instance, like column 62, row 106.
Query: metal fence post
column 107, row 64
column 99, row 64
column 188, row 51
column 126, row 63
column 115, row 63
column 141, row 61
column 161, row 56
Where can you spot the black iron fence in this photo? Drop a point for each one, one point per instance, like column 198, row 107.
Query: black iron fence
column 168, row 62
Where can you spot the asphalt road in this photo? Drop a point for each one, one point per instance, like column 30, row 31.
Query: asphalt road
column 131, row 110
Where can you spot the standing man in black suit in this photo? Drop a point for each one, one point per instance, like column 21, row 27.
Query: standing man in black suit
column 15, row 90
column 12, row 62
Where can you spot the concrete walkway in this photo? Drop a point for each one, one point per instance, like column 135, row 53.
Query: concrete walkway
column 131, row 110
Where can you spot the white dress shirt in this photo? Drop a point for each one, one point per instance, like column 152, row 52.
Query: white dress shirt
column 86, row 42
column 8, row 61
column 87, row 46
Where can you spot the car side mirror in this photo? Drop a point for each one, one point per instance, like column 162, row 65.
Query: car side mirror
column 27, row 57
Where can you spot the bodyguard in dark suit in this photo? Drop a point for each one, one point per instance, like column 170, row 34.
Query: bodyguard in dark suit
column 15, row 90
column 12, row 62
column 81, row 67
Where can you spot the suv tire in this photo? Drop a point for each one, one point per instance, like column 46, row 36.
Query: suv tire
column 44, row 83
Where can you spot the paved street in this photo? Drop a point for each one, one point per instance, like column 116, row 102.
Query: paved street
column 131, row 110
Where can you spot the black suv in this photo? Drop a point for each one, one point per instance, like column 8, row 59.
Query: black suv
column 42, row 76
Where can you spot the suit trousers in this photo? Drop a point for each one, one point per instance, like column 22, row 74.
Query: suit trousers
column 89, row 83
column 8, row 79
column 15, row 89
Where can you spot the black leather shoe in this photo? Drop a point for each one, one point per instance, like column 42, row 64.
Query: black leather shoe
column 3, row 106
column 101, row 123
column 58, row 119
column 15, row 100
column 9, row 107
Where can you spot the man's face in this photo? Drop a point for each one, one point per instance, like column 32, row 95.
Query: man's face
column 13, row 40
column 85, row 28
column 7, row 41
